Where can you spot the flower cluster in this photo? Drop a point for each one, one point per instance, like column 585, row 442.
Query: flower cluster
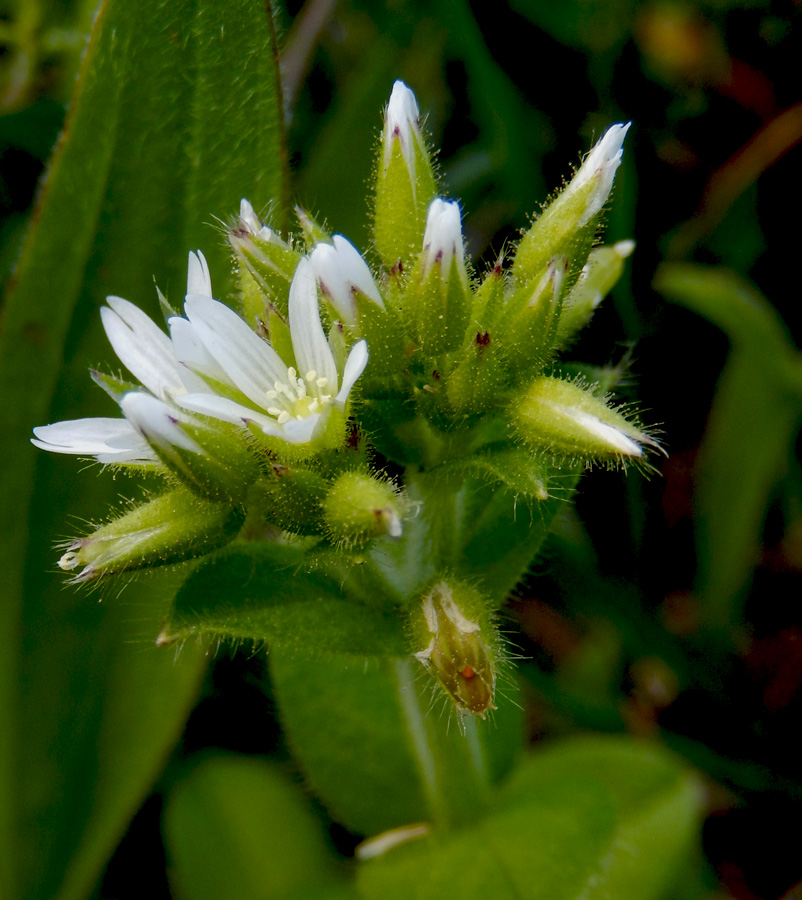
column 252, row 417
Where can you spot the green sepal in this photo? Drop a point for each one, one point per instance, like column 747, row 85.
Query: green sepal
column 360, row 506
column 437, row 308
column 488, row 299
column 523, row 473
column 313, row 232
column 280, row 338
column 480, row 376
column 271, row 263
column 175, row 526
column 402, row 199
column 567, row 419
column 275, row 594
column 291, row 496
column 222, row 472
column 528, row 324
column 113, row 386
column 604, row 267
column 383, row 329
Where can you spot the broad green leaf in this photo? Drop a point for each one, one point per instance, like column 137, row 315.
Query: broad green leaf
column 264, row 593
column 382, row 747
column 750, row 433
column 589, row 818
column 175, row 118
column 237, row 828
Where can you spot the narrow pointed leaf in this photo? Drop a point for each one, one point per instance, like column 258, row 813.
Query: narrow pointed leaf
column 176, row 116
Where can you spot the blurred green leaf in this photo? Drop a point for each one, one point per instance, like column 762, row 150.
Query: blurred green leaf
column 176, row 116
column 237, row 828
column 381, row 746
column 590, row 818
column 264, row 593
column 750, row 433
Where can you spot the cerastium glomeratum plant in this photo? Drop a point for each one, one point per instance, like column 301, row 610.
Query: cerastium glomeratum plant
column 397, row 429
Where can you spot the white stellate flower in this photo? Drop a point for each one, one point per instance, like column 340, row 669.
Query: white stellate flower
column 341, row 273
column 599, row 167
column 442, row 240
column 282, row 400
column 212, row 364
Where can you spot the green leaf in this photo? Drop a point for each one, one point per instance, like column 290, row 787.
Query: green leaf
column 750, row 432
column 265, row 593
column 176, row 116
column 590, row 818
column 381, row 745
column 237, row 828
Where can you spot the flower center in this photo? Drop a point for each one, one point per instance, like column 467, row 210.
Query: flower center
column 298, row 398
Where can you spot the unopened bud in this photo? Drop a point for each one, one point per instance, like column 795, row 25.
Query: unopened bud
column 404, row 180
column 567, row 419
column 568, row 224
column 456, row 648
column 173, row 527
column 528, row 325
column 439, row 305
column 342, row 274
column 266, row 258
column 604, row 267
column 359, row 507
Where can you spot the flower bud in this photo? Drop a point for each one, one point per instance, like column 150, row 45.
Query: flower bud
column 404, row 180
column 341, row 274
column 213, row 462
column 291, row 497
column 563, row 418
column 173, row 527
column 359, row 507
column 568, row 224
column 528, row 325
column 455, row 646
column 266, row 258
column 439, row 306
column 604, row 267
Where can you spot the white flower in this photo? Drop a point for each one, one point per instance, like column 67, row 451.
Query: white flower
column 284, row 401
column 442, row 240
column 341, row 273
column 402, row 122
column 213, row 364
column 599, row 166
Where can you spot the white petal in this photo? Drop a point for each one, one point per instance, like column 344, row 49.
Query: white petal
column 312, row 351
column 114, row 439
column 249, row 362
column 340, row 270
column 301, row 431
column 600, row 165
column 226, row 410
column 143, row 348
column 248, row 217
column 442, row 239
column 402, row 120
column 614, row 438
column 199, row 280
column 156, row 421
column 194, row 357
column 354, row 367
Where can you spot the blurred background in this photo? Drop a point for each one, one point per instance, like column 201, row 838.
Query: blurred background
column 665, row 605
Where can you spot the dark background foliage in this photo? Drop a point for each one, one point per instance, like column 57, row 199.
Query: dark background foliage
column 616, row 622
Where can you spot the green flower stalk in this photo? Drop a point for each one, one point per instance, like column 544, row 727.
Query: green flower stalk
column 375, row 425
